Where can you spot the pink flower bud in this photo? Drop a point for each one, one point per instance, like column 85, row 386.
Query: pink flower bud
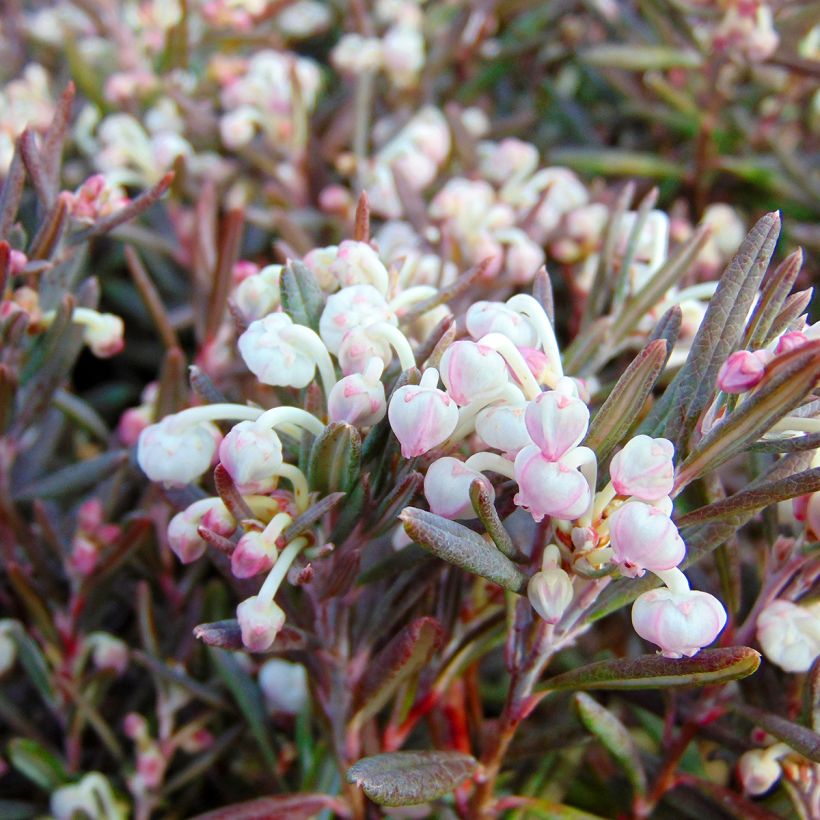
column 355, row 306
column 549, row 487
column 260, row 622
column 109, row 652
column 556, row 423
column 105, row 335
column 273, row 355
column 503, row 427
column 251, row 453
column 495, row 317
column 742, row 371
column 422, row 416
column 790, row 634
column 643, row 537
column 758, row 771
column 17, row 262
column 524, row 258
column 813, row 515
column 357, row 263
column 175, row 455
column 644, row 468
column 538, row 363
column 550, row 593
column 183, row 535
column 358, row 399
column 447, row 488
column 253, row 554
column 471, row 371
column 284, row 685
column 790, row 341
column 85, row 555
column 132, row 422
column 680, row 623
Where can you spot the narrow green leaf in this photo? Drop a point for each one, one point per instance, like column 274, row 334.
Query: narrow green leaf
column 35, row 665
column 302, row 297
column 617, row 162
column 802, row 740
column 655, row 672
column 643, row 58
column 335, row 459
column 75, row 478
column 462, row 547
column 409, row 778
column 310, row 516
column 623, row 405
column 405, row 655
column 404, row 491
column 484, row 506
column 37, row 763
column 614, row 737
column 33, row 600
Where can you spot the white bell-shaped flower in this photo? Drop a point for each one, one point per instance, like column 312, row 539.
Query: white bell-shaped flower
column 447, row 488
column 355, row 306
column 789, row 634
column 284, row 685
column 356, row 263
column 251, row 453
column 556, row 422
column 359, row 399
column 176, row 454
column 260, row 621
column 644, row 537
column 471, row 371
column 503, row 427
column 496, row 317
column 644, row 468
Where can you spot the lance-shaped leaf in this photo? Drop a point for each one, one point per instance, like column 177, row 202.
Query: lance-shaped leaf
column 302, row 297
column 11, row 191
column 794, row 307
column 37, row 763
column 655, row 672
column 484, row 506
column 811, row 441
column 623, row 405
column 227, row 635
column 801, row 739
column 811, row 696
column 448, row 293
column 751, row 500
column 542, row 292
column 718, row 335
column 405, row 655
column 772, row 300
column 789, row 378
column 668, row 327
column 409, row 778
column 397, row 499
column 309, row 517
column 645, row 58
column 462, row 547
column 361, row 224
column 75, row 478
column 614, row 737
column 231, row 497
column 285, row 807
column 335, row 459
column 622, row 285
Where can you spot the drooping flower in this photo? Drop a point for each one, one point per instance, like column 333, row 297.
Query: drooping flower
column 250, row 452
column 644, row 537
column 742, row 371
column 175, row 455
column 789, row 634
column 260, row 621
column 447, row 488
column 556, row 423
column 471, row 371
column 547, row 487
column 644, row 468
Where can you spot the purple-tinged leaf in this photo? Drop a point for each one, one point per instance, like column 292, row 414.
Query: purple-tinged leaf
column 285, row 807
column 202, row 385
column 614, row 737
column 772, row 300
column 151, row 298
column 309, row 517
column 54, row 140
column 35, row 166
column 797, row 444
column 709, row 666
column 171, row 396
column 335, row 459
column 811, row 696
column 230, row 244
column 302, row 297
column 397, row 499
column 462, row 547
column 668, row 328
column 405, row 655
column 803, row 740
column 732, row 803
column 446, row 294
column 361, row 224
column 410, row 778
column 795, row 306
column 623, row 405
column 430, row 351
column 221, row 634
column 75, row 478
column 12, row 191
column 50, row 231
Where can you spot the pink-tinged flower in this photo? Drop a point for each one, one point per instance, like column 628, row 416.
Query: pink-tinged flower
column 85, row 554
column 175, row 455
column 644, row 537
column 790, row 341
column 550, row 593
column 108, row 652
column 742, row 371
column 250, row 453
column 503, row 427
column 447, row 488
column 556, row 422
column 132, row 422
column 758, row 771
column 284, row 685
column 17, row 262
column 258, row 295
column 355, row 306
column 790, row 634
column 538, row 363
column 471, row 371
column 495, row 317
column 357, row 263
column 358, row 399
column 253, row 554
column 104, row 335
column 422, row 416
column 183, row 529
column 274, row 354
column 813, row 514
column 644, row 468
column 260, row 622
column 359, row 347
column 547, row 487
column 680, row 623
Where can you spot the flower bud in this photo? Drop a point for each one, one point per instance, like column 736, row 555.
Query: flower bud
column 183, row 535
column 503, row 427
column 644, row 468
column 447, row 488
column 258, row 295
column 549, row 487
column 273, row 355
column 680, row 623
column 742, row 371
column 108, row 652
column 495, row 317
column 176, row 455
column 758, row 771
column 320, row 261
column 422, row 416
column 251, row 453
column 358, row 399
column 355, row 306
column 260, row 622
column 403, row 54
column 356, row 263
column 471, row 371
column 556, row 422
column 643, row 537
column 284, row 685
column 359, row 347
column 790, row 634
column 253, row 554
column 238, row 127
column 550, row 593
column 790, row 341
column 105, row 335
